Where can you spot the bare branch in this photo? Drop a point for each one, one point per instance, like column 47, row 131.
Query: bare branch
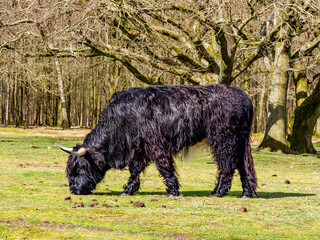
column 262, row 45
column 307, row 48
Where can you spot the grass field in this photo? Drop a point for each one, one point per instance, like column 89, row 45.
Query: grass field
column 35, row 204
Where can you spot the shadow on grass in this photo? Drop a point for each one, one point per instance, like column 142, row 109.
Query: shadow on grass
column 270, row 195
column 264, row 195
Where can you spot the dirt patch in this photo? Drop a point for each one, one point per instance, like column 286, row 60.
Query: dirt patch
column 79, row 204
column 45, row 131
column 181, row 236
column 138, row 204
column 62, row 185
column 47, row 224
column 19, row 221
column 93, row 204
column 106, row 205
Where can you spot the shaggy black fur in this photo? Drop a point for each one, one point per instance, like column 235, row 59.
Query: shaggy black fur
column 141, row 125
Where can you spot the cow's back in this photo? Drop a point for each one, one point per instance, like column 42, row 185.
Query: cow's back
column 175, row 116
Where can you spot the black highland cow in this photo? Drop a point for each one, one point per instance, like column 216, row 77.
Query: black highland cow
column 141, row 125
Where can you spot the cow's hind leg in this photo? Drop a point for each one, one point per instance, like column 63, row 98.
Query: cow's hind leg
column 247, row 173
column 166, row 167
column 133, row 185
column 247, row 185
column 225, row 153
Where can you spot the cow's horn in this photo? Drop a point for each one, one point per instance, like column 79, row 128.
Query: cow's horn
column 82, row 151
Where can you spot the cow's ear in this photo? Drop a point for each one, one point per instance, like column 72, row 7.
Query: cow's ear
column 98, row 159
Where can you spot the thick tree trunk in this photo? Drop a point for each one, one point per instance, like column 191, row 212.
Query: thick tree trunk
column 275, row 134
column 301, row 88
column 225, row 73
column 303, row 121
column 64, row 123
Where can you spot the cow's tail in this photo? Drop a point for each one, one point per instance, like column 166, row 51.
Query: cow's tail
column 249, row 168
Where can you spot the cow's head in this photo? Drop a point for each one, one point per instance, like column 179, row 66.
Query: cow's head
column 82, row 171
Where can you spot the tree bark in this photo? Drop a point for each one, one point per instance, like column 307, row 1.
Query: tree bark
column 264, row 95
column 303, row 121
column 7, row 103
column 275, row 134
column 64, row 123
column 317, row 129
column 301, row 88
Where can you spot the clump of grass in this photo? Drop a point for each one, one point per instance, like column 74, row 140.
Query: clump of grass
column 35, row 204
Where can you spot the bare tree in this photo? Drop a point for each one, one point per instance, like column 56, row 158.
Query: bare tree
column 303, row 121
column 106, row 46
column 156, row 41
column 294, row 14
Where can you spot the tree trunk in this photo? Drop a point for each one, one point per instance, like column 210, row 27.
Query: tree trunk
column 264, row 95
column 317, row 129
column 7, row 102
column 301, row 88
column 225, row 73
column 64, row 116
column 275, row 134
column 303, row 121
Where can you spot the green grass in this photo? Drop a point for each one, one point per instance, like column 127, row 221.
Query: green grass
column 33, row 205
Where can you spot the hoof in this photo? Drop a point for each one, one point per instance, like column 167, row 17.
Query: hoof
column 245, row 196
column 249, row 195
column 213, row 196
column 172, row 195
column 124, row 194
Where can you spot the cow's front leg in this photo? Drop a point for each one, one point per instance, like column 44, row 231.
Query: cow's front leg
column 223, row 185
column 166, row 168
column 133, row 184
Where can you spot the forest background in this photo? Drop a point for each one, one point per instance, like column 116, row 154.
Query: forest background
column 62, row 60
